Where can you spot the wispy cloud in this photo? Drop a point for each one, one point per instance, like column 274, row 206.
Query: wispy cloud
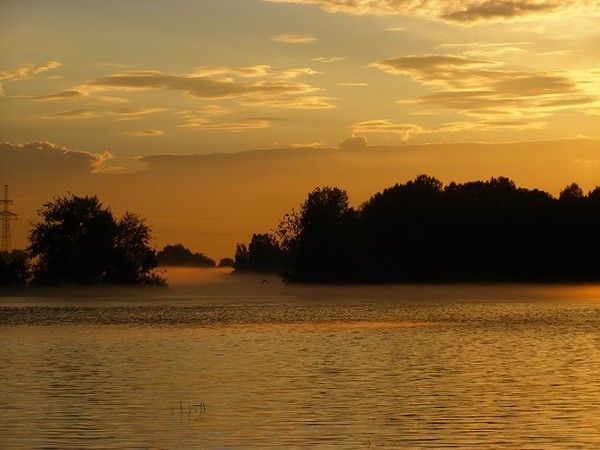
column 144, row 133
column 135, row 113
column 353, row 84
column 478, row 86
column 74, row 114
column 237, row 126
column 294, row 38
column 314, row 145
column 386, row 126
column 26, row 71
column 194, row 85
column 254, row 85
column 257, row 71
column 329, row 59
column 71, row 94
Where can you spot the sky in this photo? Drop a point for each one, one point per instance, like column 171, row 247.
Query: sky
column 93, row 95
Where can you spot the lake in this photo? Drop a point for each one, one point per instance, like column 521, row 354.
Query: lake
column 222, row 362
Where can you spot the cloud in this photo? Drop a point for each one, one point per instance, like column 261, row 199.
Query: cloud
column 490, row 125
column 353, row 142
column 499, row 9
column 77, row 94
column 260, row 70
column 556, row 53
column 312, row 145
column 70, row 94
column 480, row 86
column 274, row 88
column 405, row 130
column 144, row 133
column 135, row 113
column 357, row 84
column 395, row 29
column 453, row 70
column 291, row 102
column 197, row 86
column 107, row 99
column 233, row 126
column 457, row 11
column 294, row 38
column 483, row 44
column 51, row 159
column 26, row 71
column 328, row 59
column 74, row 114
column 208, row 110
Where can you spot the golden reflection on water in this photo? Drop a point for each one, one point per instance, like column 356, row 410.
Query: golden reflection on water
column 336, row 325
column 294, row 372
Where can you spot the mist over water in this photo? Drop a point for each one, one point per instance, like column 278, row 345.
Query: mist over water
column 229, row 362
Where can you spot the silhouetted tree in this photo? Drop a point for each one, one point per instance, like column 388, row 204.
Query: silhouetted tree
column 263, row 254
column 79, row 241
column 594, row 195
column 401, row 228
column 13, row 268
column 422, row 231
column 241, row 258
column 571, row 192
column 226, row 262
column 178, row 255
column 318, row 238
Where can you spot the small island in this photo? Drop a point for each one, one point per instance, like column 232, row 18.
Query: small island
column 422, row 231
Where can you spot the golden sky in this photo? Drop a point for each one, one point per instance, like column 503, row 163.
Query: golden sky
column 106, row 87
column 199, row 76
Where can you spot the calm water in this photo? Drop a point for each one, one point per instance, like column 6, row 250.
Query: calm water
column 289, row 370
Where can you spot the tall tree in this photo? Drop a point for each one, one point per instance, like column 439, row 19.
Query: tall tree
column 79, row 241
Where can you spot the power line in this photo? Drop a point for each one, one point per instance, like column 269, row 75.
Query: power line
column 6, row 216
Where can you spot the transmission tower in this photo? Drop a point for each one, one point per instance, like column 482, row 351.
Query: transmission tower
column 6, row 216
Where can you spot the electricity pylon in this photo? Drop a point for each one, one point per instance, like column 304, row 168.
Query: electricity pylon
column 6, row 216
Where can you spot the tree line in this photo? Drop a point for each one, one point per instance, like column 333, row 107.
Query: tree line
column 413, row 232
column 79, row 241
column 179, row 255
column 423, row 231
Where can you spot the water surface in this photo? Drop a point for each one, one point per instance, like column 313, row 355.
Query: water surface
column 284, row 369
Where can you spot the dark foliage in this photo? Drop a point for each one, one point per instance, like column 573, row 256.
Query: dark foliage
column 178, row 255
column 263, row 254
column 13, row 268
column 321, row 236
column 226, row 262
column 79, row 241
column 422, row 231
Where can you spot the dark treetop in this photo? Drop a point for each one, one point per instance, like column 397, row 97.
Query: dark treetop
column 178, row 255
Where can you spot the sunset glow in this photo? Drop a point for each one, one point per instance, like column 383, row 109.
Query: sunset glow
column 109, row 88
